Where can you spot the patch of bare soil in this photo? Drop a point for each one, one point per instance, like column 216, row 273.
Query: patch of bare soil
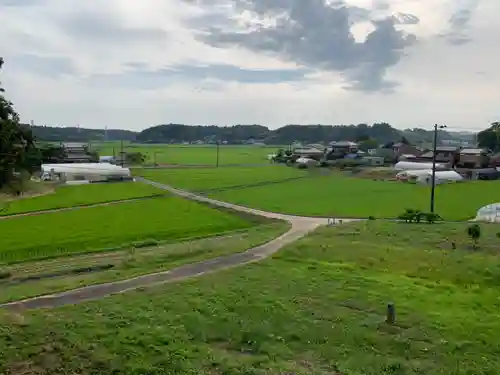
column 379, row 173
column 37, row 190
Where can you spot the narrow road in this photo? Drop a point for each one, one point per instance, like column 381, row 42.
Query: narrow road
column 300, row 226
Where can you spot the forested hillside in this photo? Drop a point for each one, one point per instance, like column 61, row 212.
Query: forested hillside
column 237, row 134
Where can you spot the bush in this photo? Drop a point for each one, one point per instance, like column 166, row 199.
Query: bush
column 474, row 232
column 416, row 216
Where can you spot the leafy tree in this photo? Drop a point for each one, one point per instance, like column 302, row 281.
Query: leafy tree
column 16, row 143
column 474, row 232
column 405, row 141
column 368, row 144
column 490, row 138
column 135, row 158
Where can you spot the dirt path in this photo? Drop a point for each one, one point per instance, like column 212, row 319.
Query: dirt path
column 300, row 226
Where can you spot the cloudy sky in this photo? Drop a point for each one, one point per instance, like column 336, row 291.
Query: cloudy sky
column 131, row 64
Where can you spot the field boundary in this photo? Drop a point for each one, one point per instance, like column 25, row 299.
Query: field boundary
column 72, row 208
column 300, row 226
column 258, row 184
column 204, row 166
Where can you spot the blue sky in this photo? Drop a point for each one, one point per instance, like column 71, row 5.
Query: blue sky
column 130, row 64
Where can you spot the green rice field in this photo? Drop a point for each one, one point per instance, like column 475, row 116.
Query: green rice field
column 192, row 154
column 318, row 307
column 342, row 196
column 111, row 227
column 331, row 194
column 80, row 195
column 203, row 179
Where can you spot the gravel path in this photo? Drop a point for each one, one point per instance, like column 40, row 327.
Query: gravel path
column 300, row 226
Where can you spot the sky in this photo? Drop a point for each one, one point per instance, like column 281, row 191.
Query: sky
column 133, row 64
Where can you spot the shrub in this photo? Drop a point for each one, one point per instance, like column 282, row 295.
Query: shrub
column 416, row 216
column 474, row 232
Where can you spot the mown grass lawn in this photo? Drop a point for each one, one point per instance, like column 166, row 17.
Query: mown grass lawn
column 204, row 179
column 194, row 154
column 114, row 226
column 338, row 195
column 80, row 195
column 317, row 307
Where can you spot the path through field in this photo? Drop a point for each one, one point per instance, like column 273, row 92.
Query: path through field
column 92, row 205
column 300, row 226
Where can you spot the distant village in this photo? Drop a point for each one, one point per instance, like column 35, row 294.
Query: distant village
column 470, row 162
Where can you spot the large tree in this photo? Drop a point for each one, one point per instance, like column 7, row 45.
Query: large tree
column 490, row 138
column 16, row 143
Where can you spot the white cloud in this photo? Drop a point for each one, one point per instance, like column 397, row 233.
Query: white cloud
column 88, row 41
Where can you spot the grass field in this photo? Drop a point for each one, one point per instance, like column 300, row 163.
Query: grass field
column 192, row 154
column 126, row 263
column 71, row 196
column 114, row 226
column 337, row 195
column 317, row 307
column 203, row 179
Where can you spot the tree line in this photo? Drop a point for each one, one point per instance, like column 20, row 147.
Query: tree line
column 379, row 132
column 176, row 133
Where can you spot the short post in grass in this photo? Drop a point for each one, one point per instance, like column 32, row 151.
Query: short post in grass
column 391, row 313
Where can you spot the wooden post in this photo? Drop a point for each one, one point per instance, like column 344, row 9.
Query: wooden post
column 391, row 313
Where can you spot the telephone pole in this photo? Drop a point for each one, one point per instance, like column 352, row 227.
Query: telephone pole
column 217, row 162
column 122, row 156
column 434, row 151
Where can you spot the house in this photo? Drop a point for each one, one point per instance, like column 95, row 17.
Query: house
column 373, row 160
column 473, row 158
column 495, row 160
column 344, row 147
column 400, row 149
column 308, row 152
column 76, row 153
column 444, row 154
column 319, row 146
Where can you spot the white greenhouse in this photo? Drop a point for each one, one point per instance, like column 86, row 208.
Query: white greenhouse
column 489, row 213
column 424, row 176
column 441, row 177
column 84, row 172
column 410, row 165
column 306, row 162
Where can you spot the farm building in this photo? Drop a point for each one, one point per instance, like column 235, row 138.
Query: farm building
column 91, row 172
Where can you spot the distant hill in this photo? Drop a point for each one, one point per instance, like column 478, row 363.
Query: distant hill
column 74, row 134
column 237, row 134
column 381, row 132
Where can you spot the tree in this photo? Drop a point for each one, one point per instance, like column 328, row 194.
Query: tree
column 368, row 144
column 490, row 138
column 16, row 143
column 474, row 232
column 405, row 141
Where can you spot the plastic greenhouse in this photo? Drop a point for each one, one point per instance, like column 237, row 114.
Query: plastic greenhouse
column 410, row 165
column 83, row 172
column 490, row 213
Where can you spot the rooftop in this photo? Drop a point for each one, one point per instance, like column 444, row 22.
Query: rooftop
column 343, row 144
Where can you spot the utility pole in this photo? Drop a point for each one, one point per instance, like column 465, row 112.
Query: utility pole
column 217, row 162
column 122, row 156
column 434, row 151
